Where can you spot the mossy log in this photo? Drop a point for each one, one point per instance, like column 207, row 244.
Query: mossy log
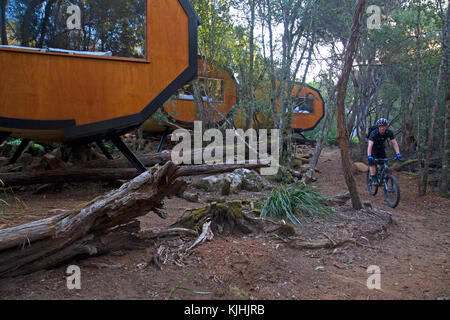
column 400, row 166
column 229, row 218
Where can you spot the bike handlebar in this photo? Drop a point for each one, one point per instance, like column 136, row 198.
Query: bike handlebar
column 386, row 159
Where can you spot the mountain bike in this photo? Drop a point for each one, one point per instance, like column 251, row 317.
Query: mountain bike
column 385, row 179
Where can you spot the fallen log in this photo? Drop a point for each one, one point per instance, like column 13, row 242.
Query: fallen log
column 401, row 165
column 82, row 231
column 303, row 140
column 340, row 199
column 67, row 175
column 194, row 170
column 152, row 234
column 104, row 224
column 147, row 160
column 150, row 160
column 109, row 174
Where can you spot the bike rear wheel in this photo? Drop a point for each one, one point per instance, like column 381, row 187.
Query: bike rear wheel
column 373, row 189
column 391, row 191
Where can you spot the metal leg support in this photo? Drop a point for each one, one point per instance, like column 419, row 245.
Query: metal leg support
column 105, row 151
column 4, row 136
column 20, row 149
column 127, row 153
column 163, row 139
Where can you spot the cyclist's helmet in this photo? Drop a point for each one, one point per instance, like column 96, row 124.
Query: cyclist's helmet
column 382, row 122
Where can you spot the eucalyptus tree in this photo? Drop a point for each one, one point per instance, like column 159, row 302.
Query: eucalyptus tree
column 288, row 27
column 214, row 36
column 341, row 92
column 3, row 33
column 443, row 185
column 443, row 61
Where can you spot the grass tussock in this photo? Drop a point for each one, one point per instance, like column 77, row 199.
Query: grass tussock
column 7, row 197
column 298, row 204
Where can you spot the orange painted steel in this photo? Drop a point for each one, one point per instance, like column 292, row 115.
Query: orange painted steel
column 301, row 121
column 182, row 111
column 88, row 96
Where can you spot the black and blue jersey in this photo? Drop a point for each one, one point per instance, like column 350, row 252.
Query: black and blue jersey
column 378, row 142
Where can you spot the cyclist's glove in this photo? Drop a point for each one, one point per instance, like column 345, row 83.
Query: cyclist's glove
column 371, row 160
column 399, row 156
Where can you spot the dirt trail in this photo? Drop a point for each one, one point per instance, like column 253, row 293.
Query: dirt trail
column 413, row 259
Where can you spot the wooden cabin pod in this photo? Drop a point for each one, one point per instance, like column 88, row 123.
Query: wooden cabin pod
column 67, row 94
column 308, row 111
column 216, row 84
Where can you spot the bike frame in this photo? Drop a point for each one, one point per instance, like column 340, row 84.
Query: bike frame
column 385, row 179
column 382, row 168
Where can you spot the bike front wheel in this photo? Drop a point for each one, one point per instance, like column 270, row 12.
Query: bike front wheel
column 373, row 189
column 391, row 191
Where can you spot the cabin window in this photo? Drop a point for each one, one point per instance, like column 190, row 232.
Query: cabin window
column 210, row 88
column 304, row 105
column 116, row 28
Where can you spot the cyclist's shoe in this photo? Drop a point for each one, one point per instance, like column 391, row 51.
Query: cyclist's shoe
column 373, row 181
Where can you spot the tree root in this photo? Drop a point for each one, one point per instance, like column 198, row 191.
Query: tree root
column 317, row 244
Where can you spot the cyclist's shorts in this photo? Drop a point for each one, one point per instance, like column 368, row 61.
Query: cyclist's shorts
column 379, row 153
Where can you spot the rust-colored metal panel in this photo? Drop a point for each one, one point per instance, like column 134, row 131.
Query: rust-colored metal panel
column 308, row 117
column 181, row 109
column 93, row 96
column 307, row 113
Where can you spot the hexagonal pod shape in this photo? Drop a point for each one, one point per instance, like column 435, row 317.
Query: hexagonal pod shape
column 79, row 71
column 219, row 94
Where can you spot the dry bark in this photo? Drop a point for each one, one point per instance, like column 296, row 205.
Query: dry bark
column 343, row 135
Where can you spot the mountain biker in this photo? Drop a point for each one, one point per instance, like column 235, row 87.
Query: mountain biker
column 375, row 149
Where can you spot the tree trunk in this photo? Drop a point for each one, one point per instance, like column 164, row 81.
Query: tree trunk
column 251, row 95
column 410, row 143
column 320, row 139
column 424, row 179
column 443, row 186
column 343, row 136
column 198, row 100
column 3, row 34
column 26, row 23
column 43, row 29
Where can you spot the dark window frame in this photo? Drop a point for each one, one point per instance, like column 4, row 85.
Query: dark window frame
column 43, row 51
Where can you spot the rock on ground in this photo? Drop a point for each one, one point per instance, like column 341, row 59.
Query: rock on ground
column 239, row 179
column 359, row 167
